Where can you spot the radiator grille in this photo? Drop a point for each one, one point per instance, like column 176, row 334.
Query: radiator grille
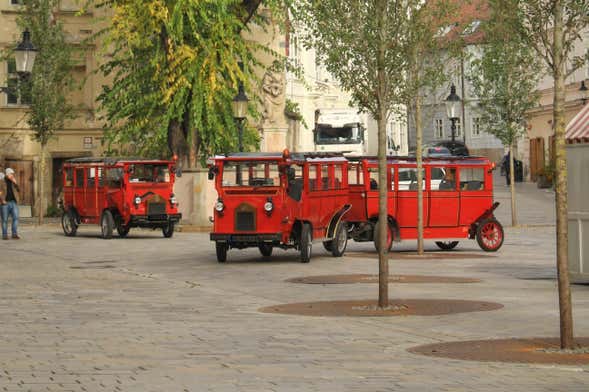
column 245, row 221
column 156, row 209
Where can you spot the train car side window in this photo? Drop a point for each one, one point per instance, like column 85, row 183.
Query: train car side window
column 313, row 169
column 69, row 176
column 472, row 179
column 79, row 178
column 373, row 173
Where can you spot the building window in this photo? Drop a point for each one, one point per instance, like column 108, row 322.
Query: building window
column 18, row 92
column 16, row 2
column 476, row 126
column 439, row 128
column 458, row 128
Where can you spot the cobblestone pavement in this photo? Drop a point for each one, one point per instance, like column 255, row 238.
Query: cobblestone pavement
column 152, row 314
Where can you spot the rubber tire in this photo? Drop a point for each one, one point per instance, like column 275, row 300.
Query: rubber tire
column 107, row 224
column 338, row 249
column 265, row 249
column 446, row 245
column 375, row 236
column 306, row 243
column 327, row 245
column 123, row 230
column 480, row 235
column 72, row 222
column 168, row 231
column 221, row 248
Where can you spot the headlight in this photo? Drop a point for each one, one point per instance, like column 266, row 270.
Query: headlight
column 268, row 206
column 173, row 200
column 137, row 200
column 219, row 206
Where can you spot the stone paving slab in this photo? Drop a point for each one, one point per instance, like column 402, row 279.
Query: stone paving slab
column 167, row 317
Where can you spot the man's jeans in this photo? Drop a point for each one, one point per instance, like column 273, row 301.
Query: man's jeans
column 9, row 209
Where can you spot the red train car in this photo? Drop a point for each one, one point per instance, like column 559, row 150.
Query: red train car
column 284, row 200
column 119, row 193
column 457, row 200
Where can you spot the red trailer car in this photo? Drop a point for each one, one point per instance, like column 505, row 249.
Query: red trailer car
column 284, row 200
column 119, row 193
column 457, row 200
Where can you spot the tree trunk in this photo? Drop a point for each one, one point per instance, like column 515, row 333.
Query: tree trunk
column 512, row 186
column 564, row 291
column 418, row 156
column 42, row 169
column 383, row 263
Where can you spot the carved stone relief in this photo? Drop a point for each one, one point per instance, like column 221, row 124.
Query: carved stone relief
column 273, row 95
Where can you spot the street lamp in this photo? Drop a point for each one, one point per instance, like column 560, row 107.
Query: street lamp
column 239, row 107
column 583, row 89
column 452, row 109
column 24, row 56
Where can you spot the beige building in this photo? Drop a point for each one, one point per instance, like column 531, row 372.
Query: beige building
column 83, row 135
column 536, row 148
column 80, row 137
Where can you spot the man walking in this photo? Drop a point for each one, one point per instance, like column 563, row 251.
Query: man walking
column 9, row 189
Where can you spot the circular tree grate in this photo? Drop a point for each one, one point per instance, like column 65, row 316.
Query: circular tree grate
column 435, row 255
column 524, row 350
column 369, row 308
column 364, row 278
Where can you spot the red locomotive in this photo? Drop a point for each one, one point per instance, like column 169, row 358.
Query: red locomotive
column 457, row 200
column 119, row 193
column 284, row 200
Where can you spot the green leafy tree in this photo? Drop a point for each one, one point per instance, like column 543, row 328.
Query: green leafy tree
column 369, row 46
column 51, row 80
column 426, row 51
column 175, row 67
column 553, row 28
column 504, row 79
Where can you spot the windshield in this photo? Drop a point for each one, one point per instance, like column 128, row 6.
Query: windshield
column 140, row 172
column 245, row 173
column 348, row 134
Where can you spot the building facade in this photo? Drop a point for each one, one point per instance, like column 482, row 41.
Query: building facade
column 80, row 137
column 316, row 89
column 469, row 129
column 537, row 147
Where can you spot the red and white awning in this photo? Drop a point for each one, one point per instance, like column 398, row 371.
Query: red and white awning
column 578, row 129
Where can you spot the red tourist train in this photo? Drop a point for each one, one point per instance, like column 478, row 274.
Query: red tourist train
column 119, row 193
column 287, row 200
column 457, row 200
column 268, row 200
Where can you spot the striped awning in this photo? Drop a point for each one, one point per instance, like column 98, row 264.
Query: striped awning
column 578, row 129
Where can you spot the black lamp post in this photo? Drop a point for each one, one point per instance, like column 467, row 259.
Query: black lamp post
column 453, row 109
column 583, row 89
column 239, row 106
column 24, row 56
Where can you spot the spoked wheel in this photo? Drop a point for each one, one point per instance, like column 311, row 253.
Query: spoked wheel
column 221, row 248
column 168, row 230
column 390, row 237
column 123, row 230
column 306, row 243
column 68, row 223
column 446, row 245
column 490, row 235
column 339, row 243
column 107, row 224
column 265, row 249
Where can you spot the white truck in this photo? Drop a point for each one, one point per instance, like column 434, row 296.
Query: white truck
column 346, row 130
column 340, row 130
